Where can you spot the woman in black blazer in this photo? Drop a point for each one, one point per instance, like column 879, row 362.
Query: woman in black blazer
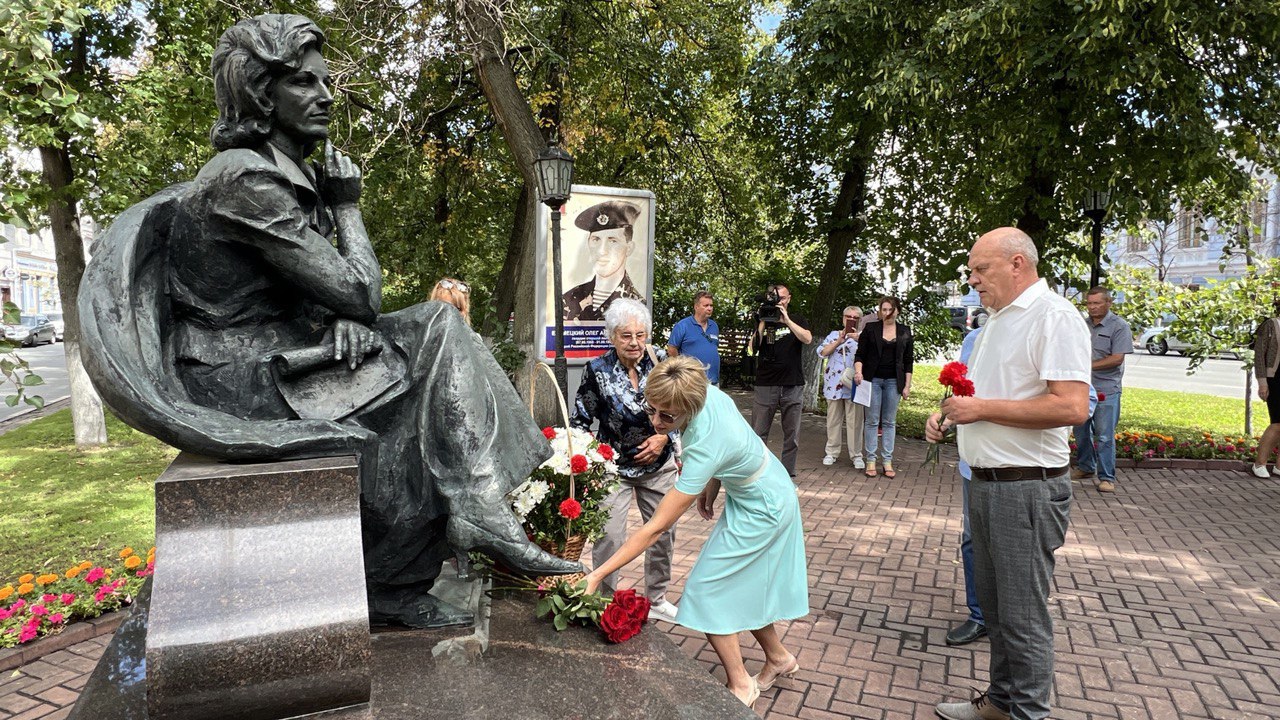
column 884, row 358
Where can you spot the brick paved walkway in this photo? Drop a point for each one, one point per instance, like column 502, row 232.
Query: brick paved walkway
column 1166, row 600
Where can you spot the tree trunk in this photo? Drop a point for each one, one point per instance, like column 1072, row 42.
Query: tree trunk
column 86, row 407
column 1039, row 185
column 504, row 296
column 481, row 24
column 846, row 224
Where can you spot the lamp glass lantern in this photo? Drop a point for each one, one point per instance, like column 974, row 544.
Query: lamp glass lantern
column 1095, row 204
column 554, row 167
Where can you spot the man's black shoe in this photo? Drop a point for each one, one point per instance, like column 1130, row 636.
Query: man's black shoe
column 966, row 633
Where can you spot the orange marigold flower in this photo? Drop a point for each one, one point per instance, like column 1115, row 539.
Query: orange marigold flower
column 47, row 579
column 108, row 572
column 25, row 588
column 73, row 571
column 126, row 552
column 132, row 562
column 26, row 578
column 5, row 592
column 85, row 565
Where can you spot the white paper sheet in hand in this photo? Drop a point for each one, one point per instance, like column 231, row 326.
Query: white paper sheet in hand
column 862, row 393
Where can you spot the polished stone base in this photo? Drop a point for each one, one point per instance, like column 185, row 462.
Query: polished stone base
column 528, row 671
column 258, row 604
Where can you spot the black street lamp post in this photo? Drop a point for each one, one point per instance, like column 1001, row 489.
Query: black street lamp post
column 1095, row 208
column 555, row 180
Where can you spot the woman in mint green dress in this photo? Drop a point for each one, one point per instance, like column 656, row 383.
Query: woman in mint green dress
column 751, row 572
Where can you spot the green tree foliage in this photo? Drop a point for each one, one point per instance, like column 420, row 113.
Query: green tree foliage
column 1220, row 318
column 1024, row 105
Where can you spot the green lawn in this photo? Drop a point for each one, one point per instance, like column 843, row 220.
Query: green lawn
column 62, row 506
column 1182, row 415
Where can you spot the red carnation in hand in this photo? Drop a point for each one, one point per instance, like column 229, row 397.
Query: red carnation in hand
column 549, row 433
column 570, row 509
column 617, row 624
column 963, row 387
column 605, row 451
column 578, row 464
column 1102, row 397
column 952, row 372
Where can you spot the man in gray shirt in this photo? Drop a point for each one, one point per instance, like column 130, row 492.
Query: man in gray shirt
column 1096, row 438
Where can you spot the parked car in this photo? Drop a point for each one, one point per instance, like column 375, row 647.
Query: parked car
column 31, row 330
column 962, row 316
column 59, row 326
column 1159, row 341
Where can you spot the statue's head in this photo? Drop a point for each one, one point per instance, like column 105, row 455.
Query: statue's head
column 251, row 58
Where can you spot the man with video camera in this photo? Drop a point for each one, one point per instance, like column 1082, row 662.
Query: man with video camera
column 778, row 340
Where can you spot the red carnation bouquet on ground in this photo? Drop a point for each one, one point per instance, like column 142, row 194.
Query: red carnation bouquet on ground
column 955, row 381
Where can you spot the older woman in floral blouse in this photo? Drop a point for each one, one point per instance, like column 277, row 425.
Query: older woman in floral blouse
column 612, row 396
column 844, row 416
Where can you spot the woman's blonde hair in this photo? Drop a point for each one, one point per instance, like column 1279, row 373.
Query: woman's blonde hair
column 452, row 291
column 678, row 383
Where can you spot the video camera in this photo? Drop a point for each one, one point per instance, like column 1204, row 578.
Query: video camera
column 769, row 311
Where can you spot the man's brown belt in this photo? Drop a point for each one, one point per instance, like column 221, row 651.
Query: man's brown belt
column 1010, row 474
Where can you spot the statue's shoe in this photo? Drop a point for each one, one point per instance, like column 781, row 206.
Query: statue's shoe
column 507, row 542
column 427, row 612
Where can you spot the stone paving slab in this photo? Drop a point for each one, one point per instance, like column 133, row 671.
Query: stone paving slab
column 1167, row 600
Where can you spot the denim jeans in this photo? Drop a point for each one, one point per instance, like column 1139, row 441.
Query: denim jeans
column 1099, row 431
column 966, row 551
column 882, row 419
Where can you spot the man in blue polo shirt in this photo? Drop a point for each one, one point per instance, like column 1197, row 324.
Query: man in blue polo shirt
column 698, row 336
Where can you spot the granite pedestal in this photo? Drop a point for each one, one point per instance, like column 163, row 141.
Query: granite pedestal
column 524, row 669
column 257, row 609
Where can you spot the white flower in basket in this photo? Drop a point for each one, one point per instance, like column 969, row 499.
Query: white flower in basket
column 563, row 496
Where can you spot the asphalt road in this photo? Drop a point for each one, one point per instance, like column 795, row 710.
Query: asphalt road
column 1223, row 377
column 50, row 363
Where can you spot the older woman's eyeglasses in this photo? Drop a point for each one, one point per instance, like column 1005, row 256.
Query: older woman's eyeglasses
column 665, row 417
column 451, row 284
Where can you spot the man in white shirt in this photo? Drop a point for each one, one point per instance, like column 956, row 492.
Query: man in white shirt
column 1030, row 371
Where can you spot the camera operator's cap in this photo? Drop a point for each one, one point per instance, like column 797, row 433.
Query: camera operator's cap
column 607, row 216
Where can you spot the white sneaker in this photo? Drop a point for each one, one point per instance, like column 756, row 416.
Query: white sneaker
column 829, row 460
column 663, row 610
column 1260, row 471
column 859, row 463
column 1276, row 469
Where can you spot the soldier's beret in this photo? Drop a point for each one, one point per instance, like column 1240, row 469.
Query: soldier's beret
column 607, row 215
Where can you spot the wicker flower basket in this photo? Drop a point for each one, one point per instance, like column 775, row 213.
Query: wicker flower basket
column 572, row 551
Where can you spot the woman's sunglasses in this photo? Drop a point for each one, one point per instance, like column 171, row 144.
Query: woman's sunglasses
column 666, row 417
column 451, row 284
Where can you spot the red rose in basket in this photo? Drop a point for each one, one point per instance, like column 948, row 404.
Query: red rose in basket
column 953, row 378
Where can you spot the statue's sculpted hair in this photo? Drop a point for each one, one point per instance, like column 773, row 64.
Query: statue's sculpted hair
column 250, row 58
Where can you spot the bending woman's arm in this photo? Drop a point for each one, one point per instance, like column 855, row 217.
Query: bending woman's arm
column 673, row 505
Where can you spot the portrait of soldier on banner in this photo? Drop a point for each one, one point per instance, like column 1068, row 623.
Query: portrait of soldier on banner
column 609, row 243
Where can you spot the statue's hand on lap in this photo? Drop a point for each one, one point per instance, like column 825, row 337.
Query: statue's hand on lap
column 353, row 341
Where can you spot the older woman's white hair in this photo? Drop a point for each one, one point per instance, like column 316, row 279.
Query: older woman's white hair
column 625, row 311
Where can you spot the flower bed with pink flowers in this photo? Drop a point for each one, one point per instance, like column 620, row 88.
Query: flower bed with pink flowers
column 1143, row 446
column 36, row 606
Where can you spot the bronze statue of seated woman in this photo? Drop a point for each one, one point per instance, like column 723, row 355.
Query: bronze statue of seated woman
column 238, row 316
